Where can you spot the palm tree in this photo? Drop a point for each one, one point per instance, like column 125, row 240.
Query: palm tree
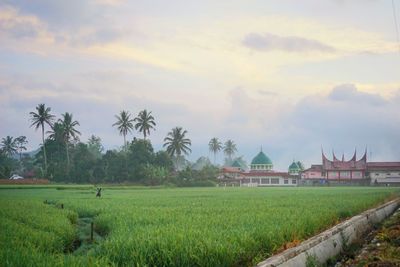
column 177, row 143
column 20, row 142
column 68, row 126
column 214, row 146
column 230, row 149
column 39, row 119
column 57, row 132
column 144, row 122
column 124, row 123
column 9, row 146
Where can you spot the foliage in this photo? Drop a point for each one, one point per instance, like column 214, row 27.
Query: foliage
column 230, row 148
column 7, row 166
column 20, row 142
column 39, row 119
column 68, row 127
column 214, row 146
column 124, row 124
column 240, row 160
column 9, row 146
column 177, row 144
column 301, row 165
column 95, row 147
column 144, row 122
column 201, row 163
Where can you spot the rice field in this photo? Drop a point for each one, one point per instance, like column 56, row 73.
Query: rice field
column 167, row 226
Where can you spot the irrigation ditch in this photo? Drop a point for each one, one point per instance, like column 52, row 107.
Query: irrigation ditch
column 88, row 235
column 327, row 245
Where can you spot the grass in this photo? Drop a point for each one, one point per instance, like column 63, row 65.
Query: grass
column 169, row 226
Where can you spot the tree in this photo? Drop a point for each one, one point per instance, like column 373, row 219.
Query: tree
column 20, row 142
column 95, row 147
column 68, row 126
column 57, row 132
column 144, row 122
column 140, row 153
column 214, row 146
column 230, row 149
column 39, row 119
column 176, row 142
column 124, row 124
column 201, row 163
column 301, row 165
column 9, row 146
column 7, row 166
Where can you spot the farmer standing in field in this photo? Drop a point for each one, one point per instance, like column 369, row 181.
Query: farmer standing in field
column 98, row 194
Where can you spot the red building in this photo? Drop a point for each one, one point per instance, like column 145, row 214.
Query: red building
column 354, row 170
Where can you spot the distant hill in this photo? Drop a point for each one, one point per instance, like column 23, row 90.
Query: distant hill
column 29, row 153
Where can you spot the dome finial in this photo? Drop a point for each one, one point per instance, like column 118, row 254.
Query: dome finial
column 261, row 148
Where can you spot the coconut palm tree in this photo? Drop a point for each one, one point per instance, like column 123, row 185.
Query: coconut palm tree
column 57, row 132
column 230, row 149
column 124, row 123
column 177, row 143
column 68, row 126
column 39, row 119
column 144, row 122
column 9, row 146
column 20, row 142
column 214, row 146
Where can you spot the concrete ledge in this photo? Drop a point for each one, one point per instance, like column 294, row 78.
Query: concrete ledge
column 331, row 242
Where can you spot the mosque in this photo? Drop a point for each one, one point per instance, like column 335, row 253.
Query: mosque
column 335, row 171
column 261, row 173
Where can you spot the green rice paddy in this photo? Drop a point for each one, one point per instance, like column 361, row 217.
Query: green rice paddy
column 167, row 226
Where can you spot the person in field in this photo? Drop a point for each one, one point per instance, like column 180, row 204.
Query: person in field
column 98, row 194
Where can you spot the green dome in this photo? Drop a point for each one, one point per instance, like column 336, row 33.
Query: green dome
column 294, row 167
column 261, row 158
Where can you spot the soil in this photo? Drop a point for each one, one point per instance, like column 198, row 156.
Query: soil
column 381, row 247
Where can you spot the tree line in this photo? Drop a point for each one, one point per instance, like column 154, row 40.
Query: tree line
column 63, row 157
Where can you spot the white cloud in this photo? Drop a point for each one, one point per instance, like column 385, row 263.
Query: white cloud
column 269, row 42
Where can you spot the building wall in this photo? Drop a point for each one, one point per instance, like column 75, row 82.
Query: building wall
column 269, row 181
column 311, row 175
column 385, row 177
column 345, row 175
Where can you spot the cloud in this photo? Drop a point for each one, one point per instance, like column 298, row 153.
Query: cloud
column 347, row 117
column 15, row 25
column 110, row 2
column 269, row 42
column 349, row 93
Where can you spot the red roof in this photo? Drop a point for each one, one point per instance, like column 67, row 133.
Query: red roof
column 384, row 166
column 314, row 167
column 352, row 164
column 268, row 174
column 231, row 170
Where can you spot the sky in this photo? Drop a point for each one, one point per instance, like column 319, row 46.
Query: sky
column 288, row 76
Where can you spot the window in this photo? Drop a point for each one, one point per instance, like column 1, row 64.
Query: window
column 333, row 175
column 286, row 181
column 265, row 180
column 274, row 180
column 294, row 181
column 344, row 174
